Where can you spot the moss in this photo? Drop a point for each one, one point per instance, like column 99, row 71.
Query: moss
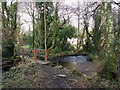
column 76, row 72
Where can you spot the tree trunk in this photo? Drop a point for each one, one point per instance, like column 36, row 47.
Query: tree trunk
column 78, row 27
column 45, row 31
column 33, row 21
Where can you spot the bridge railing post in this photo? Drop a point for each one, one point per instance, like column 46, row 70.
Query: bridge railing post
column 35, row 55
column 46, row 54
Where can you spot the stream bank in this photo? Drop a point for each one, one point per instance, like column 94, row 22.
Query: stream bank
column 8, row 62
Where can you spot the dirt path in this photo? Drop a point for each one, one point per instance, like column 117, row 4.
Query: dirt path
column 35, row 75
column 69, row 81
column 41, row 76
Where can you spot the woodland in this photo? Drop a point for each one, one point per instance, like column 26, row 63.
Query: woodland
column 94, row 28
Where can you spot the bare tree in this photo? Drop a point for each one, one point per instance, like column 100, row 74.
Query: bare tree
column 29, row 8
column 45, row 31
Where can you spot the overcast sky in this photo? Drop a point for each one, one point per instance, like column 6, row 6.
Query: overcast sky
column 26, row 17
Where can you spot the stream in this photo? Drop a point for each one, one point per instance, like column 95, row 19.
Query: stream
column 70, row 61
column 79, row 63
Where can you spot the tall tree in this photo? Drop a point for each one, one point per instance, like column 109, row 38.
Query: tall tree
column 9, row 19
column 45, row 31
column 49, row 12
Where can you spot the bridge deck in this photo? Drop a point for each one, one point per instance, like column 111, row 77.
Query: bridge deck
column 32, row 60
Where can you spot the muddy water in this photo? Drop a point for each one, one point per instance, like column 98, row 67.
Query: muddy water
column 71, row 61
column 79, row 63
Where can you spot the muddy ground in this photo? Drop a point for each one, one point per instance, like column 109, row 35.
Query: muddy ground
column 35, row 75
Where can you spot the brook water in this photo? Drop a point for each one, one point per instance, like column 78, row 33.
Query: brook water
column 70, row 61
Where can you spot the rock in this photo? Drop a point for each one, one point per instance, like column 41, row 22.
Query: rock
column 43, row 62
column 59, row 66
column 61, row 75
column 86, row 77
column 76, row 72
column 91, row 76
column 73, row 80
column 94, row 74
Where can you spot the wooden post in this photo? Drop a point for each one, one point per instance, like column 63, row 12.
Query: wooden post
column 35, row 55
column 46, row 53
